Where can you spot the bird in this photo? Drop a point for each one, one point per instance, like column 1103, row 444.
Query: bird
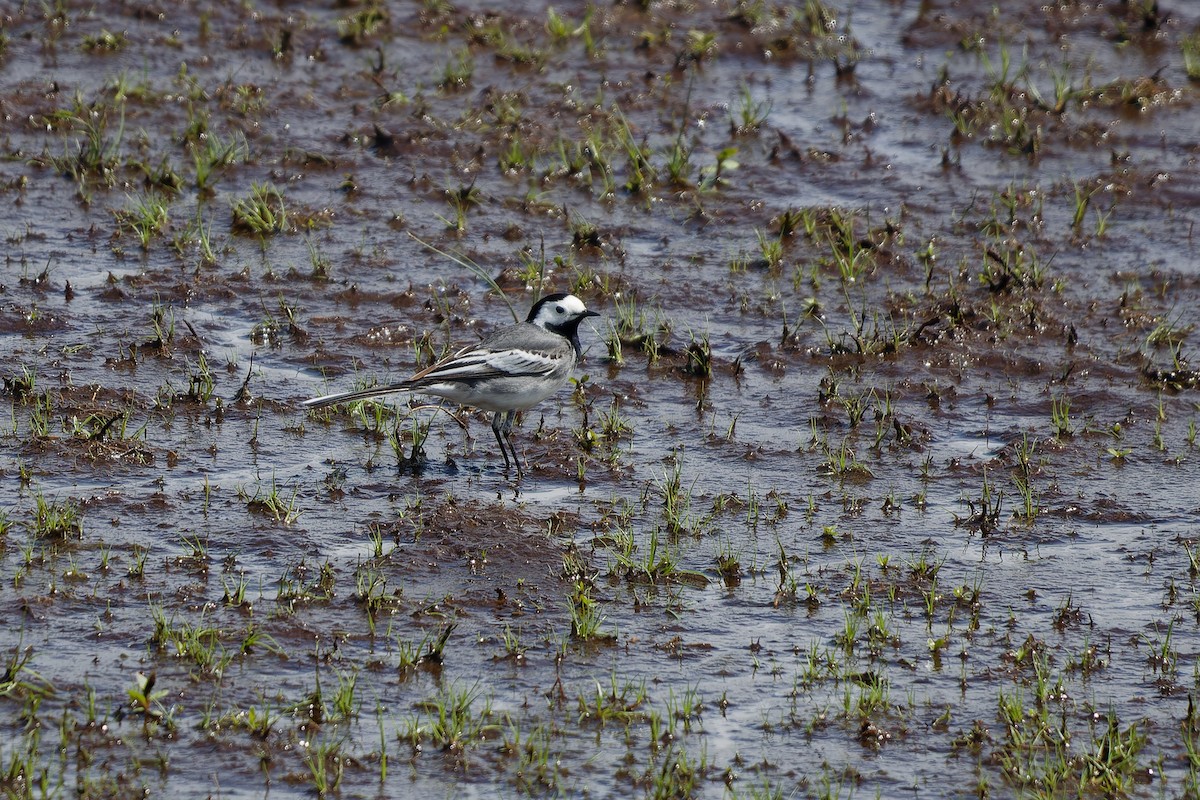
column 510, row 370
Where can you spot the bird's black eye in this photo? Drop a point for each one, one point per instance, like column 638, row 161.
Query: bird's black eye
column 559, row 309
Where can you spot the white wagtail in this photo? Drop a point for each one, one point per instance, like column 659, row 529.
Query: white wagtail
column 510, row 370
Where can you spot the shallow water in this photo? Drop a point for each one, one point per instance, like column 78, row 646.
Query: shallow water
column 814, row 570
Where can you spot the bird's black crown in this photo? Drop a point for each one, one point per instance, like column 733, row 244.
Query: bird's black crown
column 564, row 322
column 545, row 301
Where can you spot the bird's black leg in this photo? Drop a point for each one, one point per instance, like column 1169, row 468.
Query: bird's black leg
column 506, row 430
column 497, row 428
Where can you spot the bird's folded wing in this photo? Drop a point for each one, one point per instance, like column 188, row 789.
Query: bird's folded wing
column 479, row 365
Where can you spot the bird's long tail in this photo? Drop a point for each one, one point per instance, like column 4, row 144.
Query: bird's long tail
column 350, row 397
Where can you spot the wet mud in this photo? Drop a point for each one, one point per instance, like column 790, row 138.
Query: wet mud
column 878, row 477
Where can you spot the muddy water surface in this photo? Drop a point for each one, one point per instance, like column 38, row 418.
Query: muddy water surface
column 879, row 477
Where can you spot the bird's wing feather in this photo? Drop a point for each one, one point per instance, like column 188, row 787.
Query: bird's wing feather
column 518, row 351
column 479, row 364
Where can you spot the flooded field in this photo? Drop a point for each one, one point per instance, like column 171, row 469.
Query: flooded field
column 879, row 477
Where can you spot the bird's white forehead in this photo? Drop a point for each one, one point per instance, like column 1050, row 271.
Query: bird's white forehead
column 571, row 304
